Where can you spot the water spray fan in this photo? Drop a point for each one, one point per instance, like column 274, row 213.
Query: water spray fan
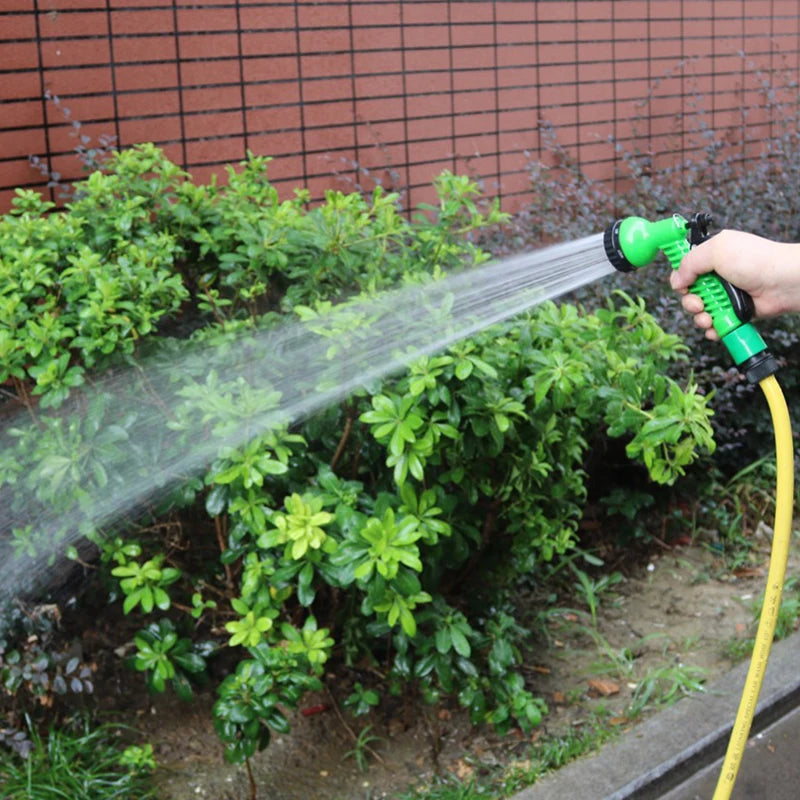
column 635, row 242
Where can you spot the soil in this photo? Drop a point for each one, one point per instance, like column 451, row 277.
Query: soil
column 680, row 606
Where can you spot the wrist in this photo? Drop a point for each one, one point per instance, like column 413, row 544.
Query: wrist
column 786, row 278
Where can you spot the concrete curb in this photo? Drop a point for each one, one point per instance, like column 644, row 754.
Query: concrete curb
column 667, row 749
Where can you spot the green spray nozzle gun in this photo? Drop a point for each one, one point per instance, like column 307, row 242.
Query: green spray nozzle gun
column 635, row 242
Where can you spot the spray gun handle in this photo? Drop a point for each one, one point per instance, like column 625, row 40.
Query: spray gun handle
column 731, row 310
column 728, row 305
column 741, row 304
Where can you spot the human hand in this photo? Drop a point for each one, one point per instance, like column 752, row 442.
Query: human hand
column 769, row 271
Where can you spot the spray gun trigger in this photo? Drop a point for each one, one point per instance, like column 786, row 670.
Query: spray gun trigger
column 743, row 305
column 698, row 228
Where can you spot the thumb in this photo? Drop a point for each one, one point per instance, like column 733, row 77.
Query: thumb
column 681, row 279
column 678, row 281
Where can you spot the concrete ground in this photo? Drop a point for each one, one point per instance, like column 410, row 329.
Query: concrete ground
column 676, row 755
column 771, row 768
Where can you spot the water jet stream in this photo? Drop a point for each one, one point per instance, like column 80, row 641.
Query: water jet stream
column 260, row 379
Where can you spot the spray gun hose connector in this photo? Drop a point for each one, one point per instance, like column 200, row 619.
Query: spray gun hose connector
column 760, row 366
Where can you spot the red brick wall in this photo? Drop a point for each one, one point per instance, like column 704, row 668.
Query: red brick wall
column 344, row 93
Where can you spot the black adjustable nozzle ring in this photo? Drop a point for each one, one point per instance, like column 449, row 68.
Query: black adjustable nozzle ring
column 613, row 250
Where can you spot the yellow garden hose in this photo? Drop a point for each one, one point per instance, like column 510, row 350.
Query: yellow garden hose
column 784, row 504
column 634, row 242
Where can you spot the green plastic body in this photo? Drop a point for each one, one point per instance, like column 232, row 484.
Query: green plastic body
column 642, row 240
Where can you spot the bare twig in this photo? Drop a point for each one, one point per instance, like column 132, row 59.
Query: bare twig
column 24, row 397
column 219, row 526
column 251, row 779
column 348, row 426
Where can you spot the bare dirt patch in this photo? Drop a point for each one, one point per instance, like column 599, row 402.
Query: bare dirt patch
column 674, row 614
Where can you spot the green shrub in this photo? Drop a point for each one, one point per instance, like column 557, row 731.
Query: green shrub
column 746, row 184
column 390, row 528
column 79, row 288
column 37, row 670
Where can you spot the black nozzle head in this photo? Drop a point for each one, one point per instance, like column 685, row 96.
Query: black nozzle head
column 613, row 250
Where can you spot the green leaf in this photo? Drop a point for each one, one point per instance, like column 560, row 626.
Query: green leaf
column 272, row 467
column 131, row 601
column 216, row 500
column 305, row 587
column 239, row 606
column 228, row 475
column 146, row 599
column 463, row 369
column 460, row 642
column 190, row 662
column 182, row 687
column 278, row 722
column 443, row 640
column 407, row 621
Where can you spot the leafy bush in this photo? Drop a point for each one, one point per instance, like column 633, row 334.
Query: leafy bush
column 390, row 528
column 79, row 288
column 36, row 669
column 746, row 184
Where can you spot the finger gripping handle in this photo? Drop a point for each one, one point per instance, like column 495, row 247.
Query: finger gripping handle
column 728, row 305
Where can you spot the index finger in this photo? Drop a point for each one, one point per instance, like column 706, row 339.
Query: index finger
column 696, row 262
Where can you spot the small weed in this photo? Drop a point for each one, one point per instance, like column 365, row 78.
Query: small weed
column 732, row 509
column 688, row 642
column 449, row 788
column 701, row 576
column 553, row 752
column 622, row 663
column 619, row 663
column 138, row 758
column 788, row 613
column 361, row 700
column 786, row 623
column 662, row 686
column 590, row 590
column 362, row 748
column 737, row 649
